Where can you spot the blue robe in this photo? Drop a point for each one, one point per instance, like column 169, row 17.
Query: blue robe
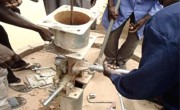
column 158, row 72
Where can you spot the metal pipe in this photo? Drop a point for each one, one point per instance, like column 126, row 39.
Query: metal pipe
column 108, row 31
column 71, row 14
column 101, row 69
column 89, row 97
column 50, row 98
column 121, row 102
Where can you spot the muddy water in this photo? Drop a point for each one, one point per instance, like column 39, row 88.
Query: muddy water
column 78, row 18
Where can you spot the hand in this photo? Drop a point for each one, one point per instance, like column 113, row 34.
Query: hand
column 11, row 3
column 7, row 57
column 112, row 14
column 108, row 71
column 45, row 34
column 135, row 27
column 93, row 2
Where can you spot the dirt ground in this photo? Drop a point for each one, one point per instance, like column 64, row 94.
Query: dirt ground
column 99, row 85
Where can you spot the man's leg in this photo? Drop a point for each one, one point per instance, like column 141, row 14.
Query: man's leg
column 112, row 44
column 4, row 105
column 11, row 77
column 127, row 49
column 50, row 5
column 4, row 40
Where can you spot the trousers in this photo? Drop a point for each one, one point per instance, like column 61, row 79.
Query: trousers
column 4, row 40
column 124, row 53
column 51, row 5
column 4, row 105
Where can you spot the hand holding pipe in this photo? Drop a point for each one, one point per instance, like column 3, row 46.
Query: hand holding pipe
column 108, row 31
column 99, row 68
column 91, row 67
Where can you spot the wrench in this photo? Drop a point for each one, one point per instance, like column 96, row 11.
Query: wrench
column 93, row 96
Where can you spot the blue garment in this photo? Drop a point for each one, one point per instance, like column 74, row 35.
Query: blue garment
column 158, row 73
column 139, row 7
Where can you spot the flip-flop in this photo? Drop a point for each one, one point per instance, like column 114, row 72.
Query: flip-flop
column 16, row 102
column 33, row 65
column 19, row 87
column 20, row 68
column 28, row 66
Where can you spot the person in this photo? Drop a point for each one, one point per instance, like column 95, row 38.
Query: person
column 9, row 16
column 50, row 6
column 158, row 72
column 7, row 57
column 138, row 11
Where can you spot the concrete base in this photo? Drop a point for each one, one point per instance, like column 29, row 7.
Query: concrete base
column 69, row 103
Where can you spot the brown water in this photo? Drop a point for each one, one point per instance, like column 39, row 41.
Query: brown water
column 78, row 18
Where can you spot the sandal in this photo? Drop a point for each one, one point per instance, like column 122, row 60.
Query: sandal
column 121, row 65
column 16, row 102
column 19, row 87
column 33, row 65
column 28, row 66
column 19, row 65
column 112, row 64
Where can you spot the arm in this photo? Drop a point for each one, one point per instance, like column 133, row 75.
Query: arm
column 7, row 57
column 157, row 7
column 93, row 2
column 8, row 16
column 111, row 10
column 11, row 3
column 135, row 27
column 157, row 72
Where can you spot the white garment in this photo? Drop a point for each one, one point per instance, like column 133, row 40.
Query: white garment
column 4, row 105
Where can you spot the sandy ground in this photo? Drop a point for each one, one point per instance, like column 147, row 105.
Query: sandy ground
column 99, row 85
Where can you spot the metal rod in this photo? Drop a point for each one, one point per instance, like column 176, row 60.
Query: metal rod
column 101, row 69
column 71, row 13
column 53, row 95
column 121, row 102
column 93, row 101
column 108, row 31
column 41, row 68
